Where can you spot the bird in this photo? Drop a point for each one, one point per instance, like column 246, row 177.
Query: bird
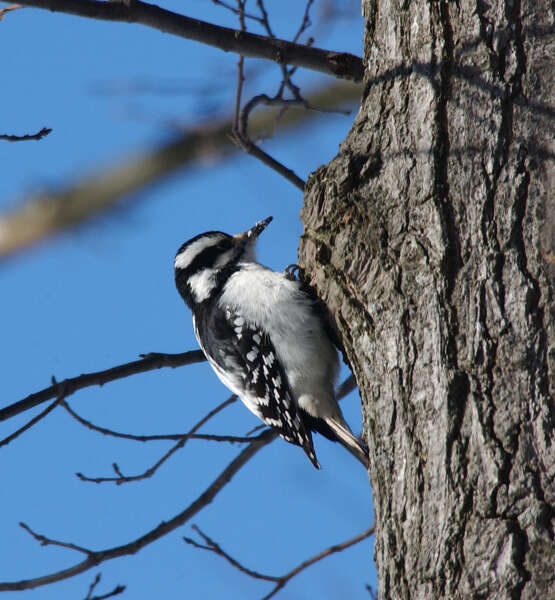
column 265, row 336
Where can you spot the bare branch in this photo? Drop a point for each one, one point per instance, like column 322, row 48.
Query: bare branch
column 338, row 64
column 45, row 214
column 305, row 23
column 212, row 546
column 96, row 557
column 30, row 423
column 119, row 589
column 240, row 63
column 154, row 438
column 100, row 556
column 116, row 591
column 251, row 148
column 239, row 130
column 67, row 387
column 150, row 471
column 346, row 387
column 240, row 124
column 264, row 99
column 264, row 19
column 373, row 595
column 240, row 81
column 44, row 541
column 282, row 580
column 286, row 73
column 327, row 552
column 32, row 136
column 255, row 429
column 95, row 582
column 7, row 9
column 237, row 11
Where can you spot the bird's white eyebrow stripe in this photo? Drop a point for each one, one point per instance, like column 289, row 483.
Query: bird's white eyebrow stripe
column 185, row 258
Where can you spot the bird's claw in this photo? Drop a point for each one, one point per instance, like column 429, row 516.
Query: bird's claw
column 294, row 272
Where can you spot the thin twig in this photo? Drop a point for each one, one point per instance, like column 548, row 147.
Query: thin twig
column 305, row 23
column 338, row 64
column 255, row 429
column 100, row 556
column 264, row 19
column 235, row 11
column 119, row 589
column 279, row 100
column 30, row 423
column 65, row 388
column 45, row 214
column 346, row 387
column 212, row 546
column 151, row 470
column 373, row 595
column 240, row 64
column 30, row 136
column 240, row 81
column 327, row 552
column 264, row 99
column 234, row 439
column 251, row 148
column 280, row 581
column 240, row 134
column 44, row 541
column 116, row 591
column 95, row 582
column 7, row 9
column 285, row 72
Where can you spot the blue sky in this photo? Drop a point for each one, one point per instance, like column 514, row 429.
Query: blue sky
column 103, row 294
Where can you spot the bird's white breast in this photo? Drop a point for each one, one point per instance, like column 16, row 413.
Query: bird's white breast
column 286, row 314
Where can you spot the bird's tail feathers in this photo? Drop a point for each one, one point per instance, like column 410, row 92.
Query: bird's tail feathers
column 348, row 440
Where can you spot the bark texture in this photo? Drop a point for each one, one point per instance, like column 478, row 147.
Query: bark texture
column 429, row 238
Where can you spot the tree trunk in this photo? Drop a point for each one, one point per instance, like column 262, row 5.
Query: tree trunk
column 429, row 236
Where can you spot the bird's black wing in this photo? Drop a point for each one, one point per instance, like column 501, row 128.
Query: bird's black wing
column 245, row 360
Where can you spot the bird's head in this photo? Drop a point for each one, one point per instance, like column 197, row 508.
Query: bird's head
column 202, row 262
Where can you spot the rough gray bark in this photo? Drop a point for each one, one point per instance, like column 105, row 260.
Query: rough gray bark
column 429, row 238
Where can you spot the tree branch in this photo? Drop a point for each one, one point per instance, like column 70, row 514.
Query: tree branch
column 251, row 148
column 345, row 388
column 67, row 387
column 30, row 423
column 151, row 470
column 305, row 23
column 240, row 122
column 116, row 591
column 234, row 439
column 282, row 580
column 338, row 64
column 31, row 136
column 47, row 213
column 44, row 541
column 96, row 557
column 212, row 546
column 9, row 8
column 237, row 11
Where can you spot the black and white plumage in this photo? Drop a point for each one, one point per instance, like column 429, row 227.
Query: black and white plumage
column 263, row 336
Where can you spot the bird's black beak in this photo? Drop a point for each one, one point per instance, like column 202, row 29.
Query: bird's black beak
column 253, row 232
